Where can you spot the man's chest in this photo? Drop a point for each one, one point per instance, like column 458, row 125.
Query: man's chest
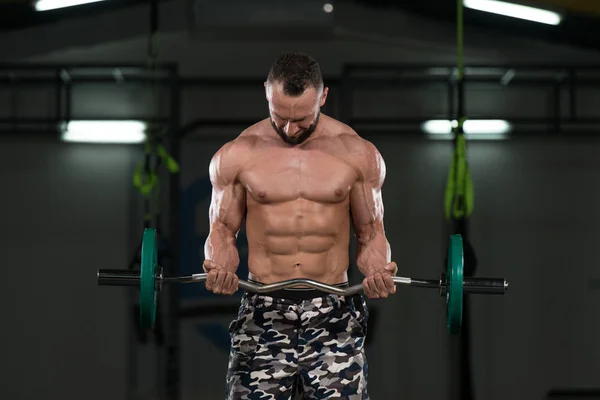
column 275, row 176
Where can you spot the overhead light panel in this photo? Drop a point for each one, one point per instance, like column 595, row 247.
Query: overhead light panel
column 515, row 11
column 46, row 5
column 104, row 132
column 484, row 129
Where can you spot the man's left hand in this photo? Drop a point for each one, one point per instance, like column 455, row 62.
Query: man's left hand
column 379, row 281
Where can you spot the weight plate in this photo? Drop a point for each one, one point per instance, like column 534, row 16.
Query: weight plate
column 454, row 284
column 148, row 267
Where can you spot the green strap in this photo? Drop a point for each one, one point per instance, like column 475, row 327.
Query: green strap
column 459, row 196
column 167, row 160
column 146, row 176
column 145, row 180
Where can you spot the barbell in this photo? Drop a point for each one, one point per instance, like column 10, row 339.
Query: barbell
column 452, row 284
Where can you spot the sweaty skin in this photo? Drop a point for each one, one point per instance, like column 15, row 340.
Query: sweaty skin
column 299, row 201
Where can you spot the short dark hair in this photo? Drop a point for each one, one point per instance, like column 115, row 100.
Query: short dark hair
column 297, row 72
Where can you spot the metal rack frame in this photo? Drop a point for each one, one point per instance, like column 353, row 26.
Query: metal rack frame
column 562, row 80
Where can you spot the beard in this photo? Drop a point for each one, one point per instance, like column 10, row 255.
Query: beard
column 296, row 140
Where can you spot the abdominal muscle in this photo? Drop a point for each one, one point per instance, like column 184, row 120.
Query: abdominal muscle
column 298, row 239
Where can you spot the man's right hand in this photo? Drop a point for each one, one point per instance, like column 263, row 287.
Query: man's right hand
column 379, row 281
column 219, row 280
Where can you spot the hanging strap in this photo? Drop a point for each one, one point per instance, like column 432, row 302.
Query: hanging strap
column 459, row 197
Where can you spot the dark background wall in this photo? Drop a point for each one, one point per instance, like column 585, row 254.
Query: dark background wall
column 71, row 209
column 65, row 215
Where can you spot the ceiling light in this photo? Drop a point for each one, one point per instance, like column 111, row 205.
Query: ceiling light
column 45, row 5
column 493, row 129
column 104, row 132
column 515, row 11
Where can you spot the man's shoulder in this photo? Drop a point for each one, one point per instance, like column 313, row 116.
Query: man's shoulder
column 360, row 152
column 348, row 137
column 353, row 143
column 246, row 140
column 357, row 145
column 230, row 158
column 255, row 131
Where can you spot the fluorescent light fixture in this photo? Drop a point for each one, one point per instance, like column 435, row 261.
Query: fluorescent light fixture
column 104, row 132
column 515, row 11
column 484, row 129
column 45, row 5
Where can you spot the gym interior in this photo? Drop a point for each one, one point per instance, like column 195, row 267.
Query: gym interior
column 187, row 75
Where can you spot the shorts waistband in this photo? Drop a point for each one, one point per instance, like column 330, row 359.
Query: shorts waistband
column 298, row 294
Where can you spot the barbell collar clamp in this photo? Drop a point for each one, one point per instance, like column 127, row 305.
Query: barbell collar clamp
column 118, row 277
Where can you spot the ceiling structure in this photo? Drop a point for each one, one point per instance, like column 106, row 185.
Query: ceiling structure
column 17, row 14
column 575, row 6
column 580, row 27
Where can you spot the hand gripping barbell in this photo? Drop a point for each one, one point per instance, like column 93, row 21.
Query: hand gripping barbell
column 452, row 284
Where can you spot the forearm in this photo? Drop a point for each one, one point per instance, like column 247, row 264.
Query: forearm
column 220, row 247
column 373, row 251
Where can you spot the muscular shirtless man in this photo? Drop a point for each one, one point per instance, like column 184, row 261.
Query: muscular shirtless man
column 300, row 178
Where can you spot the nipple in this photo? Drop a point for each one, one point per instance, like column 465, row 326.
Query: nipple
column 261, row 194
column 338, row 192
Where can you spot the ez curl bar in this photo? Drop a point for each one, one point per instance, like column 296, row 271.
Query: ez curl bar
column 451, row 284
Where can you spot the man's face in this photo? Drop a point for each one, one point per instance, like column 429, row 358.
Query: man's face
column 294, row 118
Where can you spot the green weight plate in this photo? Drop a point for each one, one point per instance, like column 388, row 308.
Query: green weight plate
column 148, row 267
column 454, row 284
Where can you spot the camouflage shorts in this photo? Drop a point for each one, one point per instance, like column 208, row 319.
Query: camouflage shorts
column 315, row 347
